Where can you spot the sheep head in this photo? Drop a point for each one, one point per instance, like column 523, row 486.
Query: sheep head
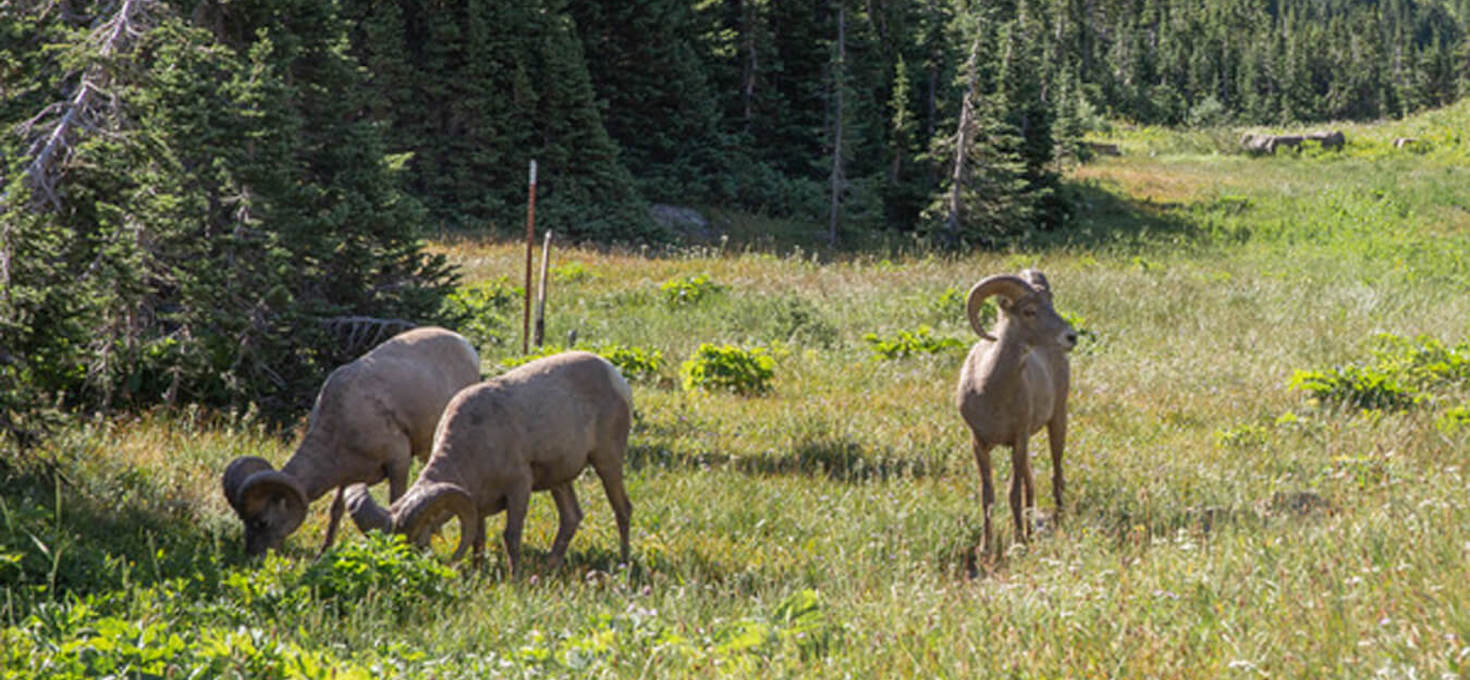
column 417, row 514
column 1026, row 304
column 269, row 502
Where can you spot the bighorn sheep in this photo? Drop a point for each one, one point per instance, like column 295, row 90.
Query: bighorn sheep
column 1014, row 382
column 1331, row 140
column 1258, row 143
column 371, row 418
column 534, row 428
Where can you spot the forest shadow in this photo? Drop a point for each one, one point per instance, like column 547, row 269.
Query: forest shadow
column 63, row 537
column 1100, row 218
column 834, row 458
column 1103, row 219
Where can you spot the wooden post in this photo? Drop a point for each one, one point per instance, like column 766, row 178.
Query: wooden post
column 530, row 245
column 540, row 333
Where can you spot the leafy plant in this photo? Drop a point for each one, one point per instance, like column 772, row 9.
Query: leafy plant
column 482, row 312
column 1356, row 387
column 906, row 344
column 1079, row 324
column 572, row 272
column 635, row 363
column 1401, row 374
column 726, row 367
column 1455, row 419
column 951, row 299
column 689, row 290
column 382, row 566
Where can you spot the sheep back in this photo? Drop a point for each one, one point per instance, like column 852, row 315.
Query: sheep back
column 545, row 418
column 399, row 388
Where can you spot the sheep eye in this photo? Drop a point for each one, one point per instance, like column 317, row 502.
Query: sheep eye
column 1029, row 312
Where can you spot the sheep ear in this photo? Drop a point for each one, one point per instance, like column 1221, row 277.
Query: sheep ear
column 235, row 475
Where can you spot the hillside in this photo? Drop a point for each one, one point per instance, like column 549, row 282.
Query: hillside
column 1266, row 467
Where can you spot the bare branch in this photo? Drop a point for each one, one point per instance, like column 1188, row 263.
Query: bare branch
column 52, row 148
column 357, row 334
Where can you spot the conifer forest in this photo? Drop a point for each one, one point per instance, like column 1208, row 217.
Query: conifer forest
column 766, row 214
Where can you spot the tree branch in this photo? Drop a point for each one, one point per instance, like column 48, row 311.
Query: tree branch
column 53, row 147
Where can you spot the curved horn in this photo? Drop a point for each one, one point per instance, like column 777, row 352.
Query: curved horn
column 365, row 512
column 269, row 485
column 426, row 508
column 1012, row 287
column 235, row 475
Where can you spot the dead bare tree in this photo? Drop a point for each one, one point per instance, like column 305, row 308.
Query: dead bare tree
column 962, row 143
column 55, row 128
column 53, row 131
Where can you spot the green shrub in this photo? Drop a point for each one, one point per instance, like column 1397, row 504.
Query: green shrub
column 572, row 272
column 382, row 566
column 689, row 290
column 483, row 312
column 1079, row 324
column 1402, row 373
column 635, row 363
column 74, row 641
column 906, row 344
column 1355, row 387
column 949, row 305
column 726, row 367
column 1455, row 419
column 1424, row 362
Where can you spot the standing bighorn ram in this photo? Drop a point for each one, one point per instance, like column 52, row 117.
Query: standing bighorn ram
column 1013, row 383
column 535, row 428
column 372, row 417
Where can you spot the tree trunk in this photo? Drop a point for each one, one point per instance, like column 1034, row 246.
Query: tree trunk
column 839, row 83
column 962, row 143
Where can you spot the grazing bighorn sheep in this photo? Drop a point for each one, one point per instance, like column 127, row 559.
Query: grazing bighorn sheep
column 534, row 428
column 372, row 417
column 1331, row 140
column 1013, row 383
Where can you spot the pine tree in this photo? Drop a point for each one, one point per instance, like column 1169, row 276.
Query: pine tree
column 653, row 91
column 234, row 205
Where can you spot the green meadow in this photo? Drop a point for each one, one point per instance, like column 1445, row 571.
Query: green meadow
column 1268, row 469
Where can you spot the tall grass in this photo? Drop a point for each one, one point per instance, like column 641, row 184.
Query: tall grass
column 1219, row 522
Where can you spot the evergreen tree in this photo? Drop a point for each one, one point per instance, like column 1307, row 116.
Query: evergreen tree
column 226, row 209
column 652, row 88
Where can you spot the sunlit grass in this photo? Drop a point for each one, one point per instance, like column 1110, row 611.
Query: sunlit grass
column 1217, row 523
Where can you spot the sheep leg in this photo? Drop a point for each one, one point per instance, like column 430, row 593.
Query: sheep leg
column 1020, row 472
column 987, row 489
column 477, row 546
column 338, row 505
column 571, row 516
column 611, row 474
column 516, row 503
column 1056, row 436
column 397, row 473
